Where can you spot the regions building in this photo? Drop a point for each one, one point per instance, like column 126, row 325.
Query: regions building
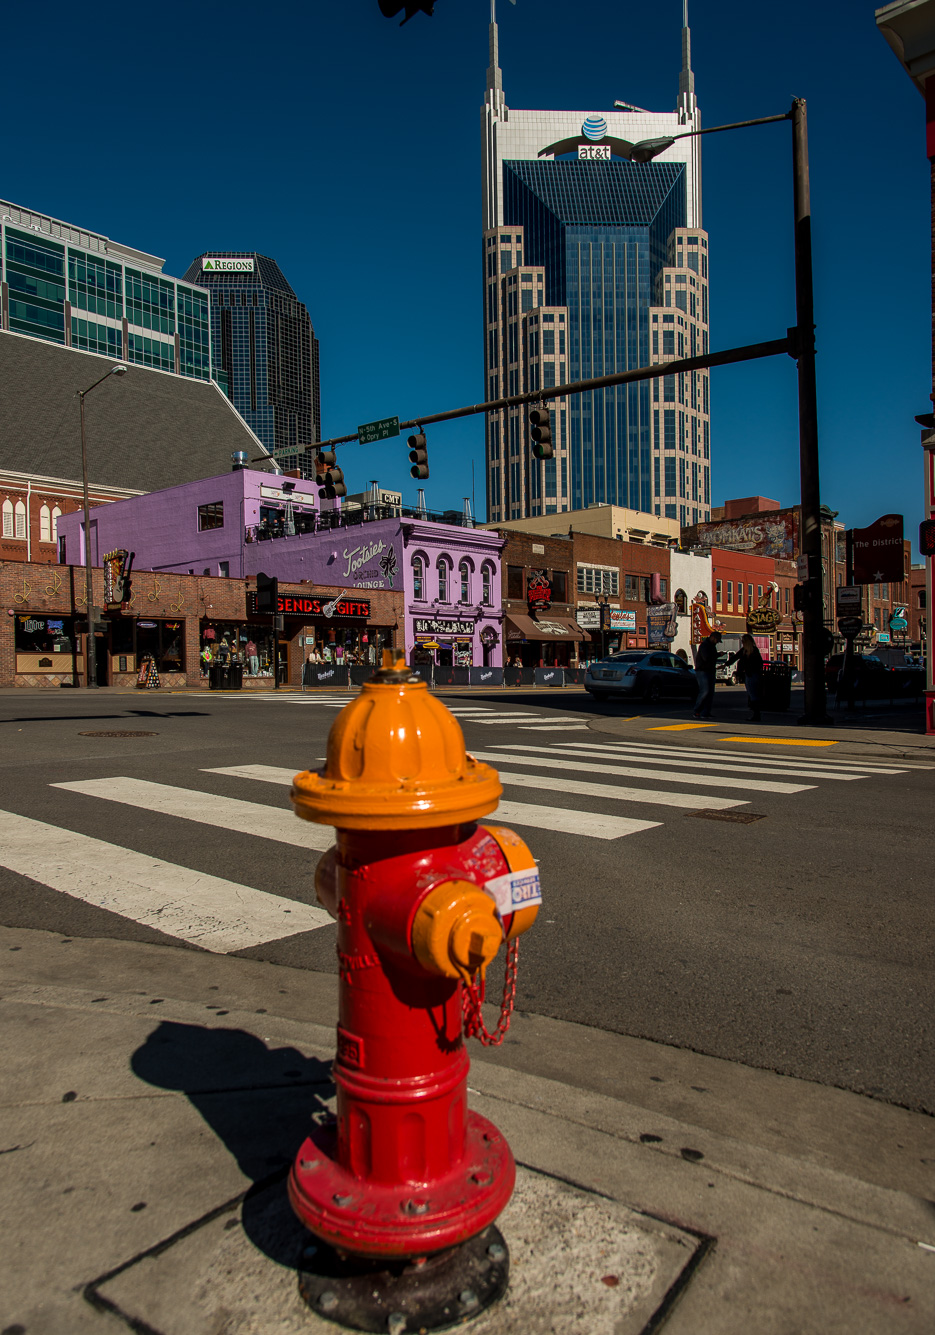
column 594, row 263
column 265, row 350
column 69, row 285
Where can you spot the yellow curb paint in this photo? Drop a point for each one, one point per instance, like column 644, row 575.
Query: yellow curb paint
column 681, row 727
column 777, row 741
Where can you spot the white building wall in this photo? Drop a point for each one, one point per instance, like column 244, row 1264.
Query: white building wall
column 693, row 575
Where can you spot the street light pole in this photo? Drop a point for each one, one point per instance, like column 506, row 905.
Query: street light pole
column 813, row 621
column 90, row 653
column 802, row 347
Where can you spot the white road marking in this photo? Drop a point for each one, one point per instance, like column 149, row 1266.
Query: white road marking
column 553, row 727
column 756, row 757
column 804, row 770
column 629, row 772
column 610, row 791
column 215, row 914
column 585, row 824
column 225, row 813
column 589, row 824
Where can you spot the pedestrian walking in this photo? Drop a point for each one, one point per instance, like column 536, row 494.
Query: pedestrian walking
column 749, row 662
column 705, row 669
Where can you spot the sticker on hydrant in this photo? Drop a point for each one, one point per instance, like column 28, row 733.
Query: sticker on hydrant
column 515, row 890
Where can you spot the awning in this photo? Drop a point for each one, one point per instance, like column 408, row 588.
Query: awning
column 549, row 628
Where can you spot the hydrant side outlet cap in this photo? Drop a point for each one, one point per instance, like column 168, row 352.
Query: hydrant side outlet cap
column 396, row 760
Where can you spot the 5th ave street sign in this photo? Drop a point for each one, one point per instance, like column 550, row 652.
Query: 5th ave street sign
column 382, row 430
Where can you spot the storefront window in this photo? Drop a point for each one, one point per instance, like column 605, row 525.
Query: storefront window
column 44, row 635
column 164, row 641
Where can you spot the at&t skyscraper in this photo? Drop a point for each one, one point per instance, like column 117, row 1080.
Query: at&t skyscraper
column 594, row 264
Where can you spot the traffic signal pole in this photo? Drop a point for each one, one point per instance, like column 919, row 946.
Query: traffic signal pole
column 813, row 613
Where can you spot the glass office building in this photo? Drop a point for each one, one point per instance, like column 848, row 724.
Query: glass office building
column 265, row 351
column 78, row 288
column 581, row 248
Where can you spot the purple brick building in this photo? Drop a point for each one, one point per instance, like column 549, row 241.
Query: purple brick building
column 446, row 577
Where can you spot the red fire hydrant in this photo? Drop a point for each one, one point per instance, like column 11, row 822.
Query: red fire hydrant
column 424, row 897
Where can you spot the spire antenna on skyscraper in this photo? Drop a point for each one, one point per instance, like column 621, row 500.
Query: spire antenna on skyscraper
column 686, row 102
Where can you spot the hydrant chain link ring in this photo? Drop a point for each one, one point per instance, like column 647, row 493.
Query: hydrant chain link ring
column 472, row 998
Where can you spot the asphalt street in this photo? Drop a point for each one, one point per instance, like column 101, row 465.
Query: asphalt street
column 799, row 941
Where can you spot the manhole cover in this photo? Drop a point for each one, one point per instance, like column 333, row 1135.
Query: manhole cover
column 118, row 734
column 735, row 817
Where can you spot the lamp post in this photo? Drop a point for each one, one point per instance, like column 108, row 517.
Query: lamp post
column 802, row 347
column 90, row 656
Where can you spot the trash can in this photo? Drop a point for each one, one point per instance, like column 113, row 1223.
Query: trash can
column 777, row 686
column 236, row 677
column 216, row 677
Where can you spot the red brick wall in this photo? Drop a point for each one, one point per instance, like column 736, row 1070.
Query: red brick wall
column 60, row 591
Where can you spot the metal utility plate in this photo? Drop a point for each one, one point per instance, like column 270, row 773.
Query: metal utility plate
column 580, row 1264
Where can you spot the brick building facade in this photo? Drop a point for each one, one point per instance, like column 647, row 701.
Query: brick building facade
column 172, row 619
column 32, row 505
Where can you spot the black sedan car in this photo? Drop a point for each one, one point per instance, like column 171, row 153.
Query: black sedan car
column 647, row 674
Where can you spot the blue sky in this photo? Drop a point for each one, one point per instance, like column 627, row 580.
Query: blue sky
column 349, row 149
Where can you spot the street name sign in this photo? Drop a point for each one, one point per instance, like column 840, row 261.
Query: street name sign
column 382, row 430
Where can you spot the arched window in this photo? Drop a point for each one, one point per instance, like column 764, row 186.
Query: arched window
column 486, row 574
column 418, row 579
column 464, row 571
column 20, row 515
column 681, row 602
column 56, row 516
column 442, row 580
column 45, row 524
column 8, row 518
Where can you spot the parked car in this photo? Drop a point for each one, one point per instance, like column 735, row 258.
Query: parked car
column 875, row 681
column 652, row 674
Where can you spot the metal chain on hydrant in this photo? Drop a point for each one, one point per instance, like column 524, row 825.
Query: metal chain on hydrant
column 472, row 998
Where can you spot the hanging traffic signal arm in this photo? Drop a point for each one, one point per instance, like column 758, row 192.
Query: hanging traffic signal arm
column 750, row 352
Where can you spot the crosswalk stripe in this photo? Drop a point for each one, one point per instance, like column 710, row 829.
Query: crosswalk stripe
column 613, row 792
column 553, row 727
column 205, row 910
column 675, row 776
column 576, row 787
column 587, row 823
column 225, row 813
column 715, row 762
column 749, row 758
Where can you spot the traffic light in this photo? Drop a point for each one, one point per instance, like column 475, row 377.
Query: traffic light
column 390, row 8
column 539, row 420
column 927, row 537
column 799, row 597
column 418, row 457
column 329, row 477
column 267, row 594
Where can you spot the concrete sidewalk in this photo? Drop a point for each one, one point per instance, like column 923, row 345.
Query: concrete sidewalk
column 153, row 1098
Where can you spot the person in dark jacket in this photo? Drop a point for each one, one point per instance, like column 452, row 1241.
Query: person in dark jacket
column 749, row 662
column 705, row 668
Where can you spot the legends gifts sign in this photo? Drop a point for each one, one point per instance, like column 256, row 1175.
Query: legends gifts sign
column 877, row 552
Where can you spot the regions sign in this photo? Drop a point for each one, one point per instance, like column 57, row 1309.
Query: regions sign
column 225, row 264
column 877, row 552
column 771, row 534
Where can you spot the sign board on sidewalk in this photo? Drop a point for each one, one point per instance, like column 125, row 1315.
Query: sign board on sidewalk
column 877, row 552
column 848, row 600
column 382, row 430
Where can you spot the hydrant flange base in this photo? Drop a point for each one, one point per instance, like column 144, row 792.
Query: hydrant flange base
column 368, row 1219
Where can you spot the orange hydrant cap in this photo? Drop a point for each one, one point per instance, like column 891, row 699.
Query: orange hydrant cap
column 396, row 760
